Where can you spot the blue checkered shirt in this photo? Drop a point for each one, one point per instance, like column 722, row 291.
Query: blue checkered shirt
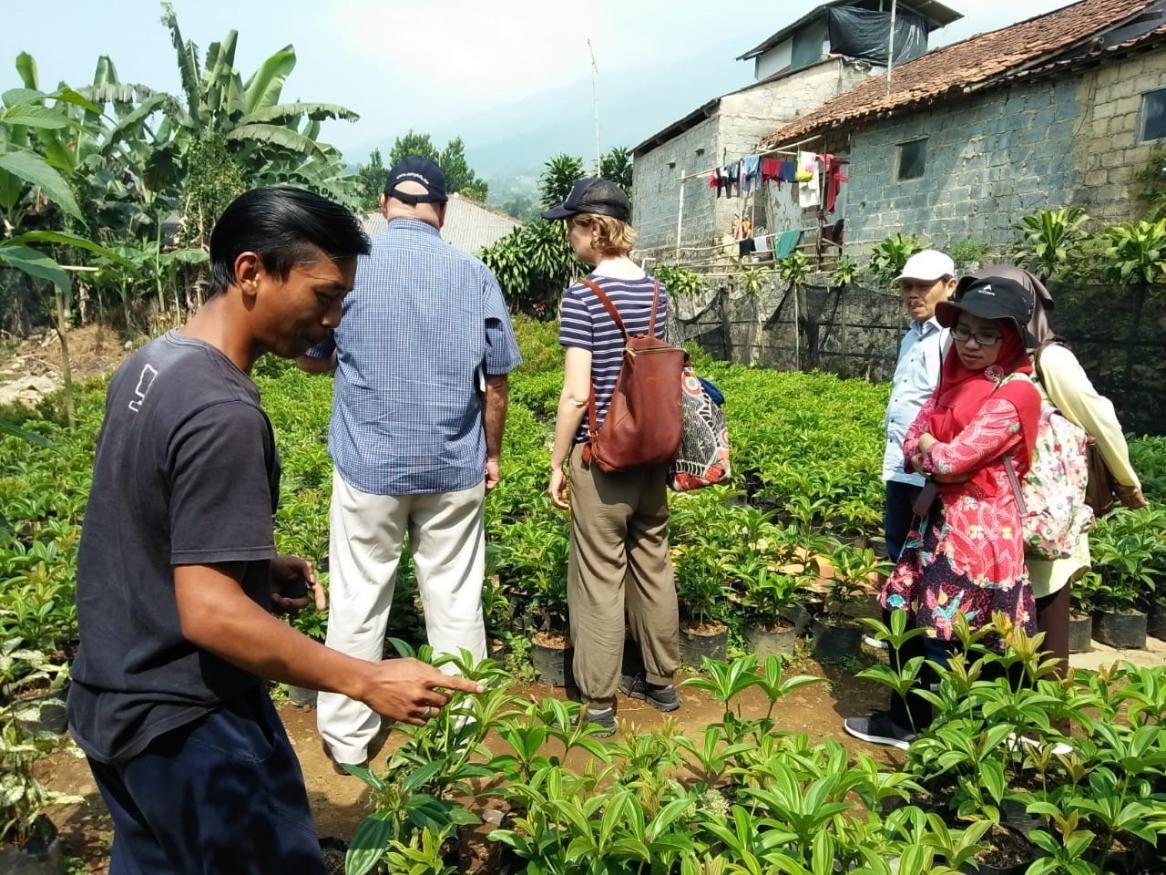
column 422, row 325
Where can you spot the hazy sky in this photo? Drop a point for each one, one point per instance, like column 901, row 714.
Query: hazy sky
column 422, row 65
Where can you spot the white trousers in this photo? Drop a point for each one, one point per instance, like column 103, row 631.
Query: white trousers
column 448, row 540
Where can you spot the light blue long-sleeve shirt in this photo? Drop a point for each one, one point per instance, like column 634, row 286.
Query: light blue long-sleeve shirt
column 916, row 376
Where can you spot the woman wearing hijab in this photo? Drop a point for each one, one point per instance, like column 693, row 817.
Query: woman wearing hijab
column 1064, row 384
column 966, row 553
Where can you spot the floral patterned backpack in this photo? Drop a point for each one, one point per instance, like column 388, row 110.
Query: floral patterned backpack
column 1052, row 498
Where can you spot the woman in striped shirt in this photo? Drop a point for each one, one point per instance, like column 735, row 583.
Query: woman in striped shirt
column 619, row 557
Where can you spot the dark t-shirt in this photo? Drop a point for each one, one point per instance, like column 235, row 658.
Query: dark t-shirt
column 186, row 473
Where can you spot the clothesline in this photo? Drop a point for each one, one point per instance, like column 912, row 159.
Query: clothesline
column 788, row 150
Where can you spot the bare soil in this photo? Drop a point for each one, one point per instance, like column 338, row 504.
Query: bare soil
column 30, row 367
column 341, row 802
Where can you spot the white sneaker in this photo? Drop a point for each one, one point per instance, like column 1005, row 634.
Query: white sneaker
column 875, row 643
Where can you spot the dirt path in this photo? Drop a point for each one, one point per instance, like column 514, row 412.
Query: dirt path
column 341, row 802
column 31, row 368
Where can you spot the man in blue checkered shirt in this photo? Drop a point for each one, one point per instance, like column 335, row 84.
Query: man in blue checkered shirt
column 421, row 358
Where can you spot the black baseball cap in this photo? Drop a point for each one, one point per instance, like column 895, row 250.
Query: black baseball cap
column 593, row 194
column 414, row 168
column 991, row 297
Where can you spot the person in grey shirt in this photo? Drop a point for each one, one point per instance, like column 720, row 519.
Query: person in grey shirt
column 928, row 277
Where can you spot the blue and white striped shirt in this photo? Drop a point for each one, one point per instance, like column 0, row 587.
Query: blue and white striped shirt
column 585, row 323
column 420, row 322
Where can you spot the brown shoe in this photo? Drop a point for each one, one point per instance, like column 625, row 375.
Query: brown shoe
column 337, row 766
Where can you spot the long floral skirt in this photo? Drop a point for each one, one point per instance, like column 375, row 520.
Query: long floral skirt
column 934, row 582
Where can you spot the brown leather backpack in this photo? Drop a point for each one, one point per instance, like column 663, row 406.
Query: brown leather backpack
column 643, row 425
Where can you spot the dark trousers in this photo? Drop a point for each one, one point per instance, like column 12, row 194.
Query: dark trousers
column 223, row 795
column 913, row 712
column 1052, row 618
column 898, row 513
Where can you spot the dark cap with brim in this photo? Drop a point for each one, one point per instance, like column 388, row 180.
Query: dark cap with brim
column 594, row 194
column 424, row 172
column 991, row 297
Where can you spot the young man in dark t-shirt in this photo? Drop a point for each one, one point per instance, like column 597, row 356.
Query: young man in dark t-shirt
column 177, row 571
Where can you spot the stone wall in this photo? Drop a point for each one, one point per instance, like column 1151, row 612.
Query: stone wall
column 1106, row 149
column 855, row 332
column 989, row 161
column 992, row 159
column 655, row 186
column 734, row 129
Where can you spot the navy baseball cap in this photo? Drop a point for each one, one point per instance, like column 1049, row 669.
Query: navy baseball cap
column 414, row 168
column 593, row 194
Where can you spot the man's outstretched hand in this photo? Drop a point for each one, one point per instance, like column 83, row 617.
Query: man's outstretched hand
column 409, row 691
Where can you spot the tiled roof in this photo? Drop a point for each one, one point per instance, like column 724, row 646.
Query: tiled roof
column 469, row 225
column 967, row 65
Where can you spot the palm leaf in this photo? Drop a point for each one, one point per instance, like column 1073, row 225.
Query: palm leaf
column 64, row 238
column 26, row 67
column 129, row 124
column 266, row 84
column 65, row 94
column 274, row 135
column 285, row 112
column 35, row 264
column 187, row 65
column 32, row 116
column 34, row 170
column 16, row 96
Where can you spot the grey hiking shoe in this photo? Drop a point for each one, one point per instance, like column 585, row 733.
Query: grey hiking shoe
column 604, row 718
column 662, row 698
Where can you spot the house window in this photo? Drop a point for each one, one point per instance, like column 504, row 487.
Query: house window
column 1154, row 114
column 912, row 159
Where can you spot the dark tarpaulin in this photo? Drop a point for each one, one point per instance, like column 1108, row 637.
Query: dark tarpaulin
column 864, row 34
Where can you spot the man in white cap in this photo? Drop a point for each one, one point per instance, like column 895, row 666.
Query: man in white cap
column 928, row 277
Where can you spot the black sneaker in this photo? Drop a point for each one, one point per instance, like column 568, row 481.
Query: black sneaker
column 662, row 698
column 878, row 728
column 604, row 718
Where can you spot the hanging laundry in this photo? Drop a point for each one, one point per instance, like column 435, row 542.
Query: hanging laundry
column 835, row 176
column 785, row 243
column 761, row 244
column 745, row 247
column 807, row 166
column 751, row 173
column 718, row 181
column 809, row 193
column 788, row 171
column 733, row 179
column 771, row 169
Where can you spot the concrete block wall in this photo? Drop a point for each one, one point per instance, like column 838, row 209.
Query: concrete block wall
column 655, row 186
column 1108, row 152
column 990, row 160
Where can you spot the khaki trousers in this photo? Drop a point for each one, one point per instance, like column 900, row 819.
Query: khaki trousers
column 448, row 540
column 619, row 561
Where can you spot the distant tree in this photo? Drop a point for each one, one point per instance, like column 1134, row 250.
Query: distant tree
column 559, row 174
column 522, row 207
column 413, row 143
column 616, row 165
column 459, row 176
column 372, row 180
